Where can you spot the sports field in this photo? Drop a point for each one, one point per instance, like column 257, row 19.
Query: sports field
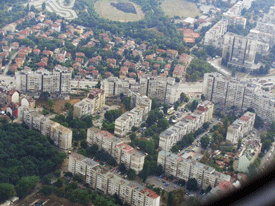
column 105, row 10
column 180, row 8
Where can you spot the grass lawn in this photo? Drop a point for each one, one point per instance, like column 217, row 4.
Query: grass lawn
column 180, row 8
column 105, row 10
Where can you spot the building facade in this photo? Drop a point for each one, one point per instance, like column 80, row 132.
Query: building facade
column 187, row 168
column 108, row 183
column 94, row 103
column 62, row 136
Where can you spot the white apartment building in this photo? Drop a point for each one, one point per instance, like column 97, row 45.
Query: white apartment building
column 94, row 102
column 191, row 123
column 80, row 165
column 186, row 168
column 135, row 117
column 57, row 81
column 103, row 180
column 61, row 135
column 153, row 87
column 214, row 36
column 103, row 139
column 240, row 127
column 132, row 158
column 243, row 94
column 123, row 153
column 238, row 50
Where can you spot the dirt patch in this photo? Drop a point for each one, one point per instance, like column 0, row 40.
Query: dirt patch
column 51, row 200
column 59, row 106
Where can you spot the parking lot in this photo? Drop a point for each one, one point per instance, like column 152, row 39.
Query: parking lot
column 162, row 183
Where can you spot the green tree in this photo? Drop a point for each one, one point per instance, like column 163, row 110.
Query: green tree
column 202, row 97
column 178, row 197
column 58, row 183
column 51, row 103
column 98, row 85
column 43, row 5
column 131, row 174
column 25, row 185
column 163, row 124
column 122, row 168
column 44, row 95
column 208, row 189
column 159, row 170
column 6, row 191
column 80, row 195
column 205, row 141
column 165, row 108
column 192, row 184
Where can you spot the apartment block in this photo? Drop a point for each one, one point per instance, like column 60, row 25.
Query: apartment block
column 191, row 123
column 123, row 153
column 134, row 117
column 80, row 165
column 61, row 135
column 57, row 81
column 228, row 92
column 185, row 169
column 98, row 177
column 132, row 158
column 214, row 36
column 238, row 50
column 94, row 103
column 240, row 127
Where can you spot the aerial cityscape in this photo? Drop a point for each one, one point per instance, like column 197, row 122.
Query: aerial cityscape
column 134, row 102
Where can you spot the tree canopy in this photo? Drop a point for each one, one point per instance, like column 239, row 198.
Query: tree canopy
column 25, row 152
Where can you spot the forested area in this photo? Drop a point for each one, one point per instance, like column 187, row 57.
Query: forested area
column 197, row 68
column 25, row 153
column 10, row 11
column 154, row 18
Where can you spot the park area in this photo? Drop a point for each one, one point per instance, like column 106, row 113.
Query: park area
column 107, row 11
column 180, row 8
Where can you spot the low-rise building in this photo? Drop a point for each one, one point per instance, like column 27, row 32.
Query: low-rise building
column 249, row 155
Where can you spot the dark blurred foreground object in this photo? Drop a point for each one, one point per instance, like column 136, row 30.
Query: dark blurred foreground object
column 260, row 191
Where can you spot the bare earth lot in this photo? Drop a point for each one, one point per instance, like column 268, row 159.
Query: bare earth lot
column 180, row 8
column 105, row 10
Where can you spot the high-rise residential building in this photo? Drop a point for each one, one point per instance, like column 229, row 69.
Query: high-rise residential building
column 228, row 92
column 162, row 88
column 98, row 177
column 94, row 103
column 57, row 81
column 240, row 127
column 238, row 50
column 214, row 36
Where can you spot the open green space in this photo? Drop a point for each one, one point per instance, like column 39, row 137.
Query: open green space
column 180, row 8
column 107, row 11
